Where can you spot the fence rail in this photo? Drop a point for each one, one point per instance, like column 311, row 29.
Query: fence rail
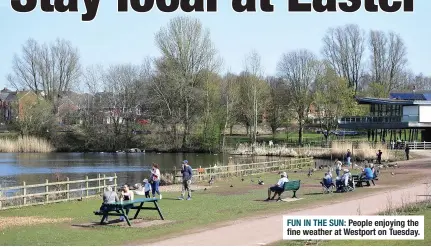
column 238, row 170
column 52, row 192
column 412, row 145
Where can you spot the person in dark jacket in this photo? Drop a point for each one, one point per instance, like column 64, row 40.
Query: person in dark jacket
column 187, row 172
column 407, row 150
column 379, row 156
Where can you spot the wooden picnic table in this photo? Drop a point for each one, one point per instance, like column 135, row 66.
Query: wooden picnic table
column 120, row 208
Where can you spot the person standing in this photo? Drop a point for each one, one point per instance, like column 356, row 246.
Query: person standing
column 379, row 157
column 338, row 166
column 348, row 156
column 155, row 178
column 187, row 172
column 407, row 150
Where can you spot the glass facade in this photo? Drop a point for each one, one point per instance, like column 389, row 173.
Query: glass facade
column 383, row 110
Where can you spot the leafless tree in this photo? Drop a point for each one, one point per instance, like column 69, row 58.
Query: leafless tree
column 47, row 69
column 228, row 100
column 278, row 104
column 121, row 99
column 188, row 56
column 300, row 70
column 388, row 59
column 344, row 48
column 253, row 67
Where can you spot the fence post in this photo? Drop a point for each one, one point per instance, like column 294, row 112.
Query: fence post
column 67, row 189
column 175, row 175
column 424, row 145
column 24, row 192
column 86, row 186
column 115, row 182
column 98, row 182
column 104, row 182
column 46, row 191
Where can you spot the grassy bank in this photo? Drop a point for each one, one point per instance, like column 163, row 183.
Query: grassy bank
column 26, row 144
column 360, row 151
column 54, row 224
column 415, row 209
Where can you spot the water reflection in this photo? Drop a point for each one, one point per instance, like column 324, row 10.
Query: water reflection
column 130, row 168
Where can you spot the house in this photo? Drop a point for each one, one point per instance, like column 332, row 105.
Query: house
column 401, row 111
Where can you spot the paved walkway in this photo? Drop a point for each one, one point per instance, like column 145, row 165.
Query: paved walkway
column 261, row 231
column 266, row 230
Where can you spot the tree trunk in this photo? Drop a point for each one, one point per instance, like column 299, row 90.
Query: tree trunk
column 186, row 126
column 226, row 123
column 300, row 130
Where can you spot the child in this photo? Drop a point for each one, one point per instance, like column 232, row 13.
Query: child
column 147, row 188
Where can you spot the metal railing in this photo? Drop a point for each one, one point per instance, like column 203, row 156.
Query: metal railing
column 412, row 145
column 382, row 119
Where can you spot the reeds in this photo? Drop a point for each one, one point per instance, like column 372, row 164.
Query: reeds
column 360, row 151
column 26, row 144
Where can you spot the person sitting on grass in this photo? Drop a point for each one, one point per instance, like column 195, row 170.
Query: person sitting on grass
column 278, row 187
column 109, row 196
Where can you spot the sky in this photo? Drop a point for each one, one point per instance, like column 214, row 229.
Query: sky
column 115, row 38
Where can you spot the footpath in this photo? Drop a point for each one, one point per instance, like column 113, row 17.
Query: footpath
column 267, row 230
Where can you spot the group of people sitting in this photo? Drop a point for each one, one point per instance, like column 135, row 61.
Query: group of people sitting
column 111, row 196
column 342, row 183
column 345, row 182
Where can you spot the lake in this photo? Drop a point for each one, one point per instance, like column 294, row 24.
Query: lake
column 130, row 167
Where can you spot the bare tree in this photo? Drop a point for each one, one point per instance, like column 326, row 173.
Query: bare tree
column 388, row 59
column 278, row 103
column 344, row 49
column 123, row 86
column 228, row 100
column 188, row 56
column 300, row 69
column 253, row 68
column 50, row 69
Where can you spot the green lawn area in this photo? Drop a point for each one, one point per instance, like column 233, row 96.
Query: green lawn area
column 421, row 210
column 215, row 205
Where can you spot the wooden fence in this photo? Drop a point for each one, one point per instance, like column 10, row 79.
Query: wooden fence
column 239, row 170
column 52, row 192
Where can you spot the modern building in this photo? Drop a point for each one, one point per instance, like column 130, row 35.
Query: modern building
column 402, row 111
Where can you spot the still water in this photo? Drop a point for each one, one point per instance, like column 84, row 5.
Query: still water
column 130, row 168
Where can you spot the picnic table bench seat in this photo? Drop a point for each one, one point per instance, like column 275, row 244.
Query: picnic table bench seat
column 120, row 208
column 360, row 181
column 291, row 186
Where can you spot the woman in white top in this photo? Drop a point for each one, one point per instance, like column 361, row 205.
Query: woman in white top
column 155, row 178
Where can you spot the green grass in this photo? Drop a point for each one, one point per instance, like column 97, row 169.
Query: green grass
column 215, row 205
column 422, row 209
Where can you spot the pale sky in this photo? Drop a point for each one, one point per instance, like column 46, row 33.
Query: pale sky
column 113, row 38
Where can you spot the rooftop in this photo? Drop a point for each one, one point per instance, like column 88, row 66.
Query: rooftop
column 415, row 95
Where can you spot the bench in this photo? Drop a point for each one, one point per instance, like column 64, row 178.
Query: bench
column 290, row 186
column 360, row 181
column 121, row 208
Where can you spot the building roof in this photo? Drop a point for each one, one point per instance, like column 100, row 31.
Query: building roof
column 367, row 100
column 417, row 95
